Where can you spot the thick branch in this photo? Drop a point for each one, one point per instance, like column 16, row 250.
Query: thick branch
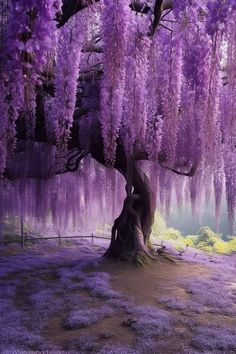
column 71, row 7
column 73, row 160
column 157, row 15
column 167, row 5
column 190, row 173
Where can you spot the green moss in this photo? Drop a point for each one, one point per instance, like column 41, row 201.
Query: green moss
column 141, row 259
column 221, row 247
column 160, row 230
column 190, row 240
column 172, row 234
column 206, row 240
column 207, row 236
column 232, row 244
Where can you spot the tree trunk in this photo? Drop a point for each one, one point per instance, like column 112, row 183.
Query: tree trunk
column 131, row 230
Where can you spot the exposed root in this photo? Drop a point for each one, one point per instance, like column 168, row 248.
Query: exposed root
column 139, row 258
column 144, row 258
column 162, row 253
column 169, row 258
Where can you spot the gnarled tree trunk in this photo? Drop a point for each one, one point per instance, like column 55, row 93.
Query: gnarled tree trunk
column 131, row 230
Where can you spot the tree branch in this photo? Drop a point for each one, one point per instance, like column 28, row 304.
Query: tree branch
column 74, row 159
column 157, row 15
column 189, row 174
column 167, row 5
column 71, row 7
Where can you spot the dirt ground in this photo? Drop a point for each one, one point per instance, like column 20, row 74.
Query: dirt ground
column 143, row 286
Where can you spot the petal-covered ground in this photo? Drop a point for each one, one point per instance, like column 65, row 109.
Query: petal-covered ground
column 70, row 300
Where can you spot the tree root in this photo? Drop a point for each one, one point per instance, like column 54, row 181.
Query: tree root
column 139, row 258
column 170, row 258
column 142, row 256
column 162, row 253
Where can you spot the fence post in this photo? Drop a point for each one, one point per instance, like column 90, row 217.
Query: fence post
column 59, row 236
column 22, row 232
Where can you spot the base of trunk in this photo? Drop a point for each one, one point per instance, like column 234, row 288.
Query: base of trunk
column 130, row 248
column 139, row 258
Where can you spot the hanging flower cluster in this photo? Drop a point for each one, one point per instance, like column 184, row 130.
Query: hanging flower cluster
column 12, row 97
column 154, row 107
column 26, row 31
column 228, row 122
column 196, row 190
column 195, row 92
column 211, row 132
column 66, row 76
column 37, row 198
column 217, row 24
column 3, row 128
column 196, row 62
column 180, row 7
column 30, row 34
column 135, row 97
column 218, row 192
column 217, row 18
column 179, row 191
column 4, row 12
column 172, row 58
column 230, row 176
column 115, row 19
column 154, row 136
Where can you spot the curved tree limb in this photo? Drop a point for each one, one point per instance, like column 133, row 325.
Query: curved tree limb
column 190, row 173
column 167, row 5
column 157, row 16
column 71, row 7
column 74, row 159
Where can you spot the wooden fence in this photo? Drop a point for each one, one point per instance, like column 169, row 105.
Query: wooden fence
column 25, row 237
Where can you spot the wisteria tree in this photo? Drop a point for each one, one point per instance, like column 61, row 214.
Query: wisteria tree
column 123, row 81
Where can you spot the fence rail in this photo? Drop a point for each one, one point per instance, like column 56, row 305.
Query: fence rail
column 25, row 238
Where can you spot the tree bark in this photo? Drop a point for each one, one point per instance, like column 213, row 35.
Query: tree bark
column 130, row 239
